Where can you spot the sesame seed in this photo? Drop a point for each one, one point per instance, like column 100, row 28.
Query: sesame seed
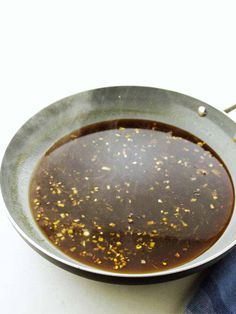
column 86, row 233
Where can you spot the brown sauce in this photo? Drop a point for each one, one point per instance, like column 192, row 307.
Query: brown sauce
column 131, row 196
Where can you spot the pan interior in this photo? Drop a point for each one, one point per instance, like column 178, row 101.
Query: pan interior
column 131, row 196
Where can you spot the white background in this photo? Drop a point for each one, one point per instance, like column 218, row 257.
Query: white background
column 51, row 49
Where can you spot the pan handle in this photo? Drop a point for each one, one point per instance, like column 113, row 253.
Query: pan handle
column 230, row 109
column 232, row 112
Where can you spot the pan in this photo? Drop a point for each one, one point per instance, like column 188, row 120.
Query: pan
column 123, row 102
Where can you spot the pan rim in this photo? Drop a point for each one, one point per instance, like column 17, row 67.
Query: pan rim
column 172, row 271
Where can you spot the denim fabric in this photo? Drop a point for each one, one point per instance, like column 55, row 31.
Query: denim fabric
column 217, row 292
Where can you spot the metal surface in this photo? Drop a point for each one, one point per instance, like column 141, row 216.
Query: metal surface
column 73, row 112
column 230, row 109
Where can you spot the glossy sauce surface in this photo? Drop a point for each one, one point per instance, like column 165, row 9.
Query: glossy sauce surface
column 131, row 196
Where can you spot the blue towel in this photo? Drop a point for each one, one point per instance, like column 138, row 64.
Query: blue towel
column 217, row 292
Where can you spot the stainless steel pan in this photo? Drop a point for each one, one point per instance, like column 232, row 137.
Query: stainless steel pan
column 50, row 124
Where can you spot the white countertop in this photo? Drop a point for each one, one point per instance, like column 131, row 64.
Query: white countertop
column 56, row 48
